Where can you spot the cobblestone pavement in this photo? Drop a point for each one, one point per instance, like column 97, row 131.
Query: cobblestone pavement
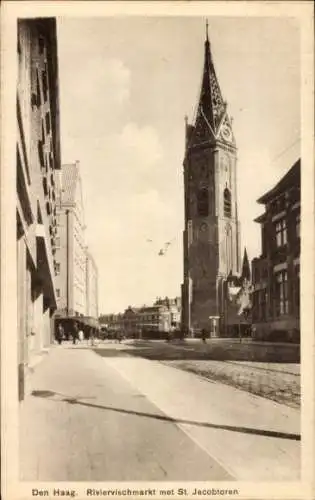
column 279, row 382
column 245, row 366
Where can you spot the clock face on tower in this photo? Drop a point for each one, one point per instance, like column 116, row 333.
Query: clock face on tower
column 226, row 132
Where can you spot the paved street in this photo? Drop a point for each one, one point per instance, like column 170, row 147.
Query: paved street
column 106, row 413
column 248, row 366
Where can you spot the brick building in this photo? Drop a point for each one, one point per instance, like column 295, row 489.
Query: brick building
column 211, row 238
column 37, row 161
column 276, row 273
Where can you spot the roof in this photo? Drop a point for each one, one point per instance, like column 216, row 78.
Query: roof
column 129, row 309
column 155, row 307
column 211, row 115
column 261, row 218
column 245, row 267
column 291, row 178
column 70, row 175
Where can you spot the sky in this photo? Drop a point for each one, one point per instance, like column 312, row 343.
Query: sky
column 126, row 85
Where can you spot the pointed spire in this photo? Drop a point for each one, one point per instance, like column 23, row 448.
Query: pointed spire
column 211, row 107
column 245, row 267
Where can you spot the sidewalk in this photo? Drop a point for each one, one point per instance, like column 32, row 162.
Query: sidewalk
column 252, row 438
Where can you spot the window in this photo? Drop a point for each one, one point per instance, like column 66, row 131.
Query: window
column 57, row 268
column 281, row 233
column 44, row 83
column 45, row 186
column 297, row 225
column 227, row 203
column 281, row 296
column 47, row 122
column 41, row 43
column 58, row 293
column 41, row 153
column 203, row 202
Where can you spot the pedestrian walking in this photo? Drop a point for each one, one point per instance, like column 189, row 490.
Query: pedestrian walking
column 60, row 334
column 92, row 336
column 75, row 333
column 81, row 335
column 204, row 335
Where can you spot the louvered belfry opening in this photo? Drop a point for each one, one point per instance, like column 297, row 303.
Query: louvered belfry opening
column 227, row 203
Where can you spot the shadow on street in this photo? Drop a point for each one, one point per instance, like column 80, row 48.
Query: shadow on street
column 246, row 430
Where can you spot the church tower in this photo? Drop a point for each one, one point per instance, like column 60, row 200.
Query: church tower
column 212, row 231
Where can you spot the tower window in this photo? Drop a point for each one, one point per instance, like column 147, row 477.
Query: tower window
column 203, row 202
column 227, row 203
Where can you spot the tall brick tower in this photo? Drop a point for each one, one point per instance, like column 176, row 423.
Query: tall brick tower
column 212, row 230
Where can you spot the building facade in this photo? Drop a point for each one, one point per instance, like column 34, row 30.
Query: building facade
column 276, row 273
column 76, row 271
column 134, row 321
column 211, row 238
column 91, row 286
column 156, row 318
column 174, row 307
column 131, row 322
column 111, row 322
column 37, row 162
column 71, row 248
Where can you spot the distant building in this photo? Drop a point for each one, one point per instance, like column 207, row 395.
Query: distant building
column 111, row 323
column 155, row 318
column 71, row 253
column 77, row 276
column 158, row 317
column 276, row 273
column 91, row 286
column 37, row 161
column 131, row 321
column 174, row 307
column 237, row 303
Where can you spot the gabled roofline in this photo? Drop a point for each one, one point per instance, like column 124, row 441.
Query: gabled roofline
column 291, row 177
